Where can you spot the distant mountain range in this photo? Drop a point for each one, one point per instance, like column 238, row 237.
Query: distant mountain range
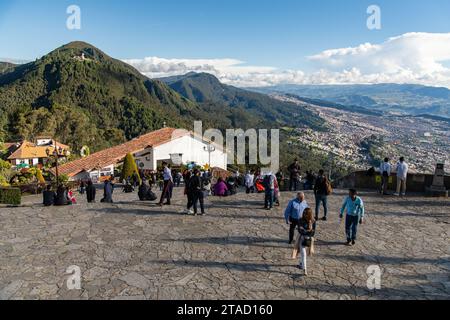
column 399, row 98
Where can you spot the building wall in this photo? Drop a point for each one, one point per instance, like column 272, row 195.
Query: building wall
column 144, row 159
column 192, row 150
column 95, row 175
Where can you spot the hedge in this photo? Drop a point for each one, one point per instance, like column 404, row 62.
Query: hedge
column 11, row 196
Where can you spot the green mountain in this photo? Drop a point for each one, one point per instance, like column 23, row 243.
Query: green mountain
column 206, row 88
column 82, row 96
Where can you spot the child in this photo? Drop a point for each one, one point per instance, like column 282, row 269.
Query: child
column 307, row 230
column 71, row 196
column 355, row 214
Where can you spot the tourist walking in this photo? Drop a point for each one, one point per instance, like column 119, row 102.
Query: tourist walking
column 196, row 189
column 294, row 175
column 353, row 206
column 322, row 189
column 269, row 190
column 402, row 176
column 307, row 230
column 385, row 171
column 249, row 182
column 294, row 212
column 90, row 192
column 167, row 185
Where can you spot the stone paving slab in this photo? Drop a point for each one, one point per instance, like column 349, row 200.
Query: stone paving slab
column 133, row 250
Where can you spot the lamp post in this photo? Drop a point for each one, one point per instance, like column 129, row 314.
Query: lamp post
column 57, row 154
column 210, row 149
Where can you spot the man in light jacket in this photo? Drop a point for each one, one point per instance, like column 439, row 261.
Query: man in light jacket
column 385, row 171
column 402, row 176
column 294, row 213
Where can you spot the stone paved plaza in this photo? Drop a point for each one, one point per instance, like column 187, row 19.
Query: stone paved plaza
column 132, row 250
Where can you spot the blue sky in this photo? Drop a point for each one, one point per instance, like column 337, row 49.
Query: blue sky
column 279, row 34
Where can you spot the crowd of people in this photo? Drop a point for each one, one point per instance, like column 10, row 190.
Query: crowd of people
column 199, row 185
column 64, row 195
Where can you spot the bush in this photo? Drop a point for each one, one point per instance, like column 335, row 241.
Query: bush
column 11, row 196
column 130, row 168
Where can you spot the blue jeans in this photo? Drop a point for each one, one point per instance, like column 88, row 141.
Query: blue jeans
column 351, row 227
column 268, row 201
column 321, row 199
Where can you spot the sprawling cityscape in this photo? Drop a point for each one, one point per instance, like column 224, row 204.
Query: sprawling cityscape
column 422, row 141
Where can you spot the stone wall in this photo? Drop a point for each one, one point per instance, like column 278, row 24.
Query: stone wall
column 360, row 180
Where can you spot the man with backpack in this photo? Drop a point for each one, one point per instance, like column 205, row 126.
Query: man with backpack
column 322, row 189
column 269, row 186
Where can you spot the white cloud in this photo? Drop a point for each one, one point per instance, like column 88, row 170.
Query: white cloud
column 410, row 58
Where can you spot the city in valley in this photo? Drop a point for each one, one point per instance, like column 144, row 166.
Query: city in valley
column 422, row 141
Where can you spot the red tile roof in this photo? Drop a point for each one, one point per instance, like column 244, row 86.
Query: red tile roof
column 116, row 154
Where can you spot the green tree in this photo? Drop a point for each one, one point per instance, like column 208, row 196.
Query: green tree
column 129, row 168
column 34, row 123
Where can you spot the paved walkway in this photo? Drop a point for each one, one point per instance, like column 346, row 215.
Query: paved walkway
column 131, row 250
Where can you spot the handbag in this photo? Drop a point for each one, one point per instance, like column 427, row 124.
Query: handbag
column 307, row 242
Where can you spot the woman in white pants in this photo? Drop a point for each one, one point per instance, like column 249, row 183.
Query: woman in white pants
column 307, row 229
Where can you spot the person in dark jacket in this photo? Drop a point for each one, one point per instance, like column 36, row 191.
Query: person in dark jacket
column 62, row 198
column 108, row 189
column 294, row 175
column 321, row 194
column 145, row 192
column 49, row 196
column 190, row 197
column 196, row 189
column 82, row 187
column 90, row 192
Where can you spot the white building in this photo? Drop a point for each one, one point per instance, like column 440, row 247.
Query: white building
column 174, row 146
